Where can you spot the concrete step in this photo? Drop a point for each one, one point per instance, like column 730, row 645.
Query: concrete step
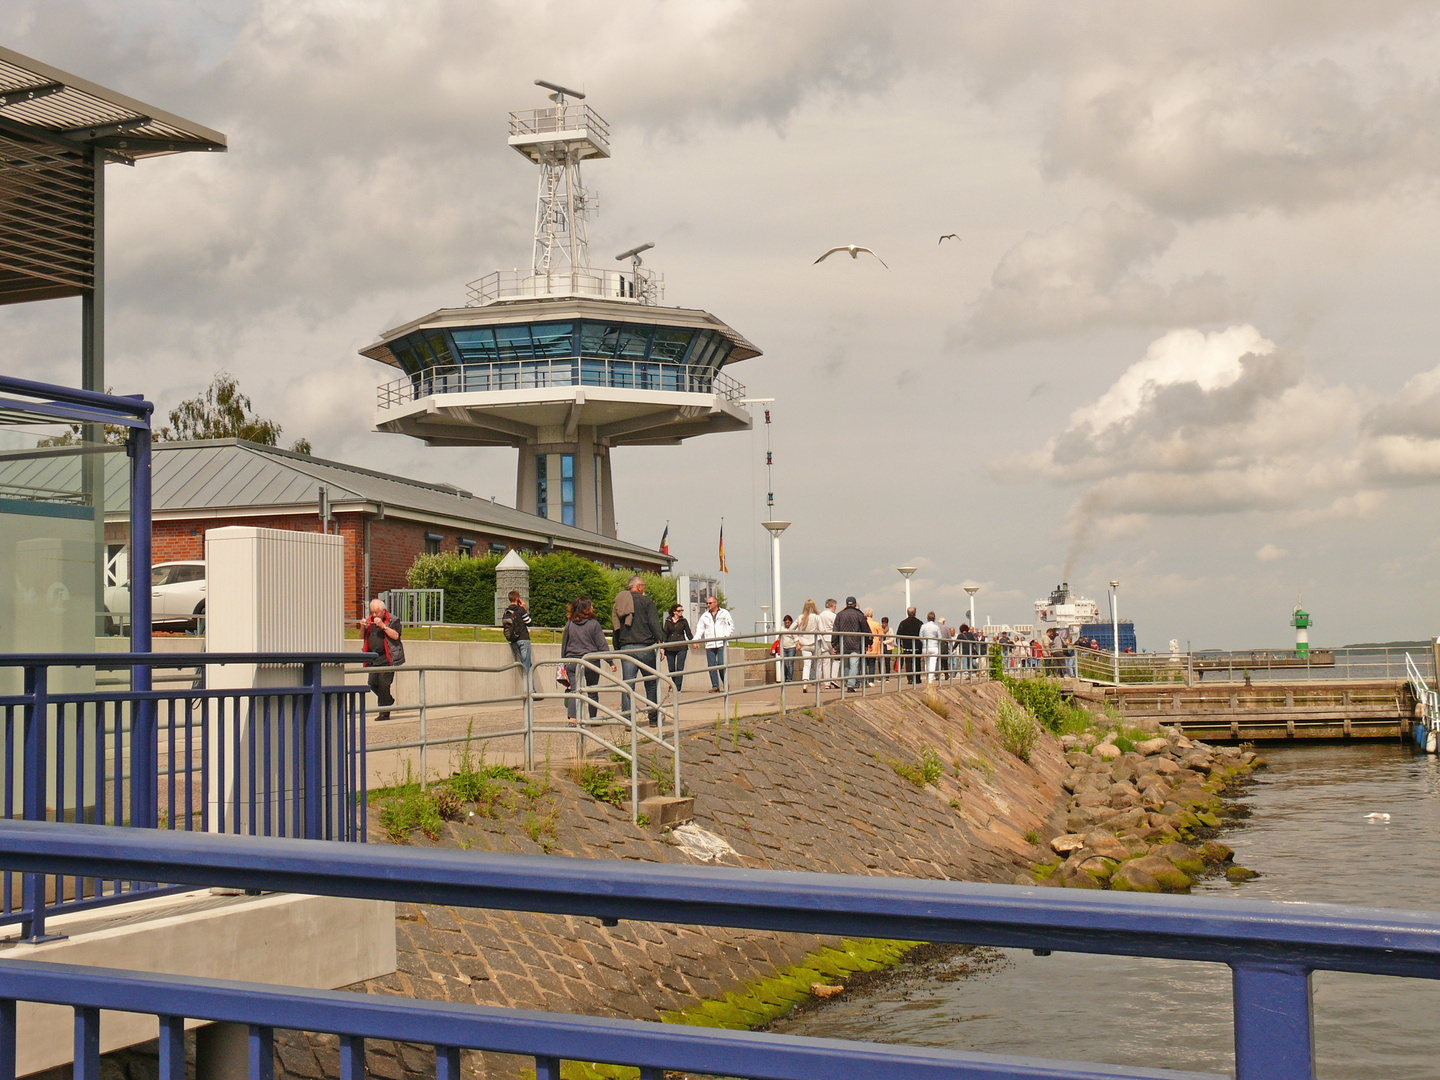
column 667, row 810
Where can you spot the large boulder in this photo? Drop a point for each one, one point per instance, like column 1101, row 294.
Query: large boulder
column 1066, row 843
column 1130, row 878
column 1187, row 860
column 1215, row 853
column 1239, row 873
column 1163, row 871
column 1108, row 751
column 1098, row 868
column 1107, row 846
column 1165, row 767
column 1152, row 746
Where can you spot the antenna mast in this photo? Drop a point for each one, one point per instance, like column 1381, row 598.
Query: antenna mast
column 558, row 139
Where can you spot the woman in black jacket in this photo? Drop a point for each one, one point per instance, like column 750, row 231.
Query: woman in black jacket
column 583, row 636
column 677, row 636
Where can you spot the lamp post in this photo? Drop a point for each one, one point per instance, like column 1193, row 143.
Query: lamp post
column 971, row 590
column 1115, row 625
column 905, row 572
column 775, row 528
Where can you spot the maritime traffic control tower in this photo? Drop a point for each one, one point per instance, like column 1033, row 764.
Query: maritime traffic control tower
column 563, row 360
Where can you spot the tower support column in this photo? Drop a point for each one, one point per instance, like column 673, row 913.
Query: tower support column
column 587, row 513
column 607, row 494
column 527, row 477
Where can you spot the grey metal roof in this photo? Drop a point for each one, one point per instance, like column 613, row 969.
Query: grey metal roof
column 38, row 98
column 57, row 130
column 218, row 475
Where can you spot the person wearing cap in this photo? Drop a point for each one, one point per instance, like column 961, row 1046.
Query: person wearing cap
column 850, row 639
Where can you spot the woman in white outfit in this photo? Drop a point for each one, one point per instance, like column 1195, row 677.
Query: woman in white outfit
column 930, row 643
column 806, row 628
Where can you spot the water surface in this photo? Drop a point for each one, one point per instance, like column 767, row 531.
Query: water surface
column 1309, row 838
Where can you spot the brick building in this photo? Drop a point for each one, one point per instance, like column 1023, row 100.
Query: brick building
column 386, row 520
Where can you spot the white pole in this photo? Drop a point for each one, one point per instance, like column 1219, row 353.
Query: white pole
column 1115, row 625
column 905, row 572
column 907, row 596
column 776, row 607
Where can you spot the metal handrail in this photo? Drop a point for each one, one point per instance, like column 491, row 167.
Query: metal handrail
column 571, row 116
column 646, row 287
column 487, row 376
column 1271, row 947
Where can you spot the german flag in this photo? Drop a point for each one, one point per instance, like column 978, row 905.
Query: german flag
column 723, row 568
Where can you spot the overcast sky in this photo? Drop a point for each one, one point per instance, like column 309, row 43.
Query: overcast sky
column 1186, row 339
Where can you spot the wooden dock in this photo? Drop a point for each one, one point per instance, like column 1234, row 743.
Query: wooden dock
column 1269, row 711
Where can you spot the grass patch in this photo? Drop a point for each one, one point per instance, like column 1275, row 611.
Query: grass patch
column 926, row 770
column 406, row 806
column 602, row 784
column 1032, row 837
column 936, row 704
column 1018, row 729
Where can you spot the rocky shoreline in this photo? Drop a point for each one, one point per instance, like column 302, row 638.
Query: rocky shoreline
column 1141, row 815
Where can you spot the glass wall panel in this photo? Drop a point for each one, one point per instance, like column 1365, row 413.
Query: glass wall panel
column 542, row 484
column 553, row 339
column 610, row 341
column 440, row 348
column 592, row 338
column 634, row 340
column 475, row 343
column 513, row 342
column 670, row 345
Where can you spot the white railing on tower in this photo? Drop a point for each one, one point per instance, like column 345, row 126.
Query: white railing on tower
column 646, row 287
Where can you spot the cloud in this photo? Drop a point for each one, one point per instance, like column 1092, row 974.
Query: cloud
column 1203, row 424
column 1271, row 553
column 1222, row 133
column 1091, row 272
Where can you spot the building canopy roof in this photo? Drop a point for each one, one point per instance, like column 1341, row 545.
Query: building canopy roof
column 56, row 129
column 214, row 477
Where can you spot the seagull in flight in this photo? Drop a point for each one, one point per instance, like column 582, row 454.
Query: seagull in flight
column 947, row 236
column 854, row 250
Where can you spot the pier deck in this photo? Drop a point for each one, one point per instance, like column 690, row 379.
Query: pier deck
column 1269, row 711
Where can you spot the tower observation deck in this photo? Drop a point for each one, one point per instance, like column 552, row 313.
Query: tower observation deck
column 563, row 360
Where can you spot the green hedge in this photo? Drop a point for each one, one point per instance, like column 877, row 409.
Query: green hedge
column 555, row 580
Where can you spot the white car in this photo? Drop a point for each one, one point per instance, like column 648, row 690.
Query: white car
column 177, row 593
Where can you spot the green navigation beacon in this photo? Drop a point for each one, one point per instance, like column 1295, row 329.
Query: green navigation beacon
column 1300, row 619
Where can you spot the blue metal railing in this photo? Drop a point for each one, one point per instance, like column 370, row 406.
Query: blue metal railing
column 1272, row 949
column 268, row 761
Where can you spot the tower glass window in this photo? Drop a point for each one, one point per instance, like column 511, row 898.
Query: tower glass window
column 567, row 488
column 542, row 484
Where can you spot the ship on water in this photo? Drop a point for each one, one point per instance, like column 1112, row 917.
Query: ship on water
column 1079, row 617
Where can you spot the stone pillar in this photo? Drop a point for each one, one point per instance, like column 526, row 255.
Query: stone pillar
column 607, row 495
column 222, row 1052
column 526, row 477
column 512, row 572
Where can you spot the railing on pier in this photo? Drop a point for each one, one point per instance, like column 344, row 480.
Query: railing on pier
column 599, row 371
column 282, row 760
column 1373, row 664
column 1271, row 948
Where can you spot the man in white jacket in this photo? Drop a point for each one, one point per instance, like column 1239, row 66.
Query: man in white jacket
column 930, row 639
column 714, row 628
column 826, row 668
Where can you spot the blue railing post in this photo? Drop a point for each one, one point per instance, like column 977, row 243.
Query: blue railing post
column 33, row 808
column 314, row 773
column 144, row 743
column 262, row 1052
column 447, row 1064
column 352, row 1058
column 87, row 1043
column 172, row 1048
column 1274, row 1029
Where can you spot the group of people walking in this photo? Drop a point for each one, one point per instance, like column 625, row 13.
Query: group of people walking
column 823, row 646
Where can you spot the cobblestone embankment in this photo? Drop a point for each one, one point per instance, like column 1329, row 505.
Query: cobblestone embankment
column 871, row 786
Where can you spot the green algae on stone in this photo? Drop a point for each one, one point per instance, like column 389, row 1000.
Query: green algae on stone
column 768, row 999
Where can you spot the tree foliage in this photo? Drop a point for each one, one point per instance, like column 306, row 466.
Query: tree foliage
column 556, row 579
column 223, row 412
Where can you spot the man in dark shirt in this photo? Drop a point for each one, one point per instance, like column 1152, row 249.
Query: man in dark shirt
column 381, row 635
column 637, row 632
column 908, row 634
column 850, row 639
